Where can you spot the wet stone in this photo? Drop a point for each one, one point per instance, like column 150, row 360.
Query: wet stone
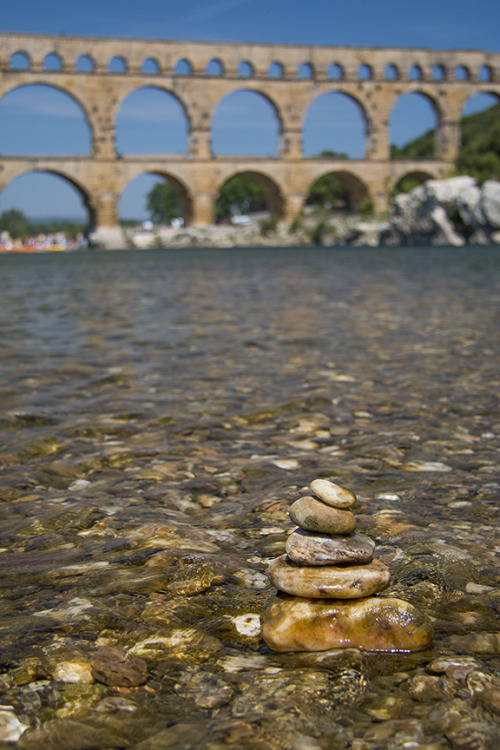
column 307, row 548
column 313, row 515
column 112, row 666
column 329, row 581
column 373, row 624
column 332, row 494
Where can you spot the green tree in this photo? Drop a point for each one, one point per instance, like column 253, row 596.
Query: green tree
column 15, row 223
column 163, row 203
column 241, row 193
column 328, row 191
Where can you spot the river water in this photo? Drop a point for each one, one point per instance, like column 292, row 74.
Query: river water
column 160, row 412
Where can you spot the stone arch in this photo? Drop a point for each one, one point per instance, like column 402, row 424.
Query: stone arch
column 275, row 70
column 85, row 64
column 413, row 115
column 221, row 120
column 83, row 193
column 183, row 67
column 169, row 108
column 335, row 72
column 245, row 69
column 305, row 71
column 20, row 60
column 462, row 73
column 355, row 188
column 214, row 68
column 117, row 64
column 485, row 74
column 391, row 73
column 150, row 66
column 52, row 62
column 409, row 180
column 271, row 189
column 365, row 72
column 438, row 72
column 181, row 190
column 60, row 90
column 415, row 73
column 351, row 122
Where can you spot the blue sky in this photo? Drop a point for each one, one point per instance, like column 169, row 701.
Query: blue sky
column 440, row 24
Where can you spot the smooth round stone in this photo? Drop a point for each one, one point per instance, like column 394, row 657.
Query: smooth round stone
column 306, row 548
column 329, row 581
column 333, row 494
column 313, row 515
column 374, row 624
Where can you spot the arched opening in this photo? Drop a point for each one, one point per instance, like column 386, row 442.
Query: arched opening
column 275, row 70
column 248, row 193
column 335, row 193
column 20, row 61
column 245, row 123
column 44, row 210
column 334, row 127
column 117, row 65
column 485, row 74
column 409, row 181
column 150, row 67
column 43, row 120
column 151, row 121
column 214, row 68
column 183, row 68
column 52, row 62
column 479, row 154
column 245, row 69
column 155, row 199
column 335, row 72
column 391, row 73
column 85, row 64
column 438, row 72
column 412, row 127
column 305, row 70
column 365, row 73
column 462, row 73
column 415, row 73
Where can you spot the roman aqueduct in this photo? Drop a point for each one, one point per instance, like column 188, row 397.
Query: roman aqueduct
column 289, row 77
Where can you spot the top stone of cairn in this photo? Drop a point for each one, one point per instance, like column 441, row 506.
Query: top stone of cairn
column 332, row 494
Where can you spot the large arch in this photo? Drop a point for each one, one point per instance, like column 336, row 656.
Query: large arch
column 30, row 188
column 335, row 122
column 272, row 191
column 246, row 123
column 410, row 180
column 148, row 180
column 355, row 188
column 37, row 108
column 155, row 119
column 414, row 119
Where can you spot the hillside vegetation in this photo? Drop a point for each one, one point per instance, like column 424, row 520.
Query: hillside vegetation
column 479, row 154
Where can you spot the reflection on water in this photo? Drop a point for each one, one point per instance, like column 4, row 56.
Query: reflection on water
column 161, row 410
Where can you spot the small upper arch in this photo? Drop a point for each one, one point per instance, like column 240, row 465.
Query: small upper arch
column 214, row 68
column 20, row 60
column 485, row 74
column 391, row 73
column 52, row 62
column 335, row 72
column 305, row 70
column 117, row 64
column 183, row 67
column 438, row 72
column 275, row 70
column 462, row 73
column 245, row 69
column 85, row 64
column 365, row 72
column 415, row 73
column 150, row 66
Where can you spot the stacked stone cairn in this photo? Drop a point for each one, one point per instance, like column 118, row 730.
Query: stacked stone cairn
column 327, row 584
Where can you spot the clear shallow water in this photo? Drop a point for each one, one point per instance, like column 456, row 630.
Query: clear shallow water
column 160, row 411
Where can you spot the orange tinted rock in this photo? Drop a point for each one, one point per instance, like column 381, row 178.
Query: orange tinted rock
column 313, row 515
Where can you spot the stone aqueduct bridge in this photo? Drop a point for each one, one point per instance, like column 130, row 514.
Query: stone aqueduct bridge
column 374, row 77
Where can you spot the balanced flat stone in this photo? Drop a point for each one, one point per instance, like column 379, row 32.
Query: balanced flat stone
column 313, row 515
column 374, row 624
column 307, row 548
column 332, row 494
column 329, row 581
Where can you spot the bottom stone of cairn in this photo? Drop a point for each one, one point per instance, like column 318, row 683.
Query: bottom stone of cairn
column 326, row 583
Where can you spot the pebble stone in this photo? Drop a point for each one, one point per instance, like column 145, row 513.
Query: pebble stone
column 332, row 494
column 370, row 624
column 329, row 581
column 307, row 548
column 313, row 515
